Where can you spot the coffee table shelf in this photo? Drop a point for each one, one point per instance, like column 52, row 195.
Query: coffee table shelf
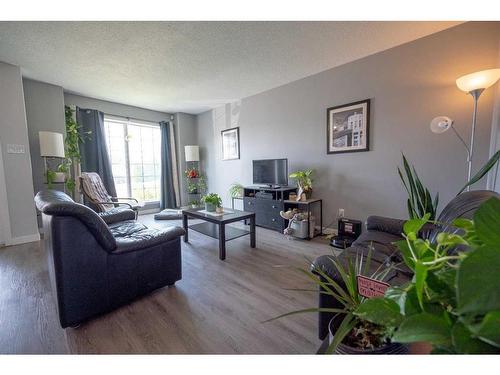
column 216, row 226
column 212, row 230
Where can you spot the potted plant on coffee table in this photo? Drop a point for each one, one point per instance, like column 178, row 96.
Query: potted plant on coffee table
column 212, row 201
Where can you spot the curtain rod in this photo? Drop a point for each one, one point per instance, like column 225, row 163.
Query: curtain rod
column 171, row 119
column 136, row 119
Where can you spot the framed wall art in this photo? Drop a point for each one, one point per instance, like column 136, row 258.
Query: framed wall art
column 348, row 127
column 231, row 144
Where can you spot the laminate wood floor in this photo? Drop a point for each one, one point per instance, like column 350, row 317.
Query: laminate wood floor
column 217, row 307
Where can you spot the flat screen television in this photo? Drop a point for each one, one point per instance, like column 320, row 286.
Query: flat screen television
column 270, row 172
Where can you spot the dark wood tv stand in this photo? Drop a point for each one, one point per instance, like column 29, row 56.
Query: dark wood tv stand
column 267, row 202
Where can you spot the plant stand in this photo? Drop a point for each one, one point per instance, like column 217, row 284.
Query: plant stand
column 308, row 206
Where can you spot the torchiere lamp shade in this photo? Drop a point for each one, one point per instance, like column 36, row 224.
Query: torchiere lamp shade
column 478, row 80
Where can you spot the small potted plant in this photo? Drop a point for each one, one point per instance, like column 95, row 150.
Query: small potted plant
column 304, row 181
column 236, row 190
column 194, row 203
column 54, row 177
column 192, row 187
column 212, row 201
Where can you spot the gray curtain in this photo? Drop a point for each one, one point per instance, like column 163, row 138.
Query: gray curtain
column 167, row 197
column 94, row 151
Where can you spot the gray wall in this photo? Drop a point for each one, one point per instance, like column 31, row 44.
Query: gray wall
column 409, row 85
column 44, row 112
column 186, row 134
column 17, row 167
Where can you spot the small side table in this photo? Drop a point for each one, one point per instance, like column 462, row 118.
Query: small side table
column 307, row 206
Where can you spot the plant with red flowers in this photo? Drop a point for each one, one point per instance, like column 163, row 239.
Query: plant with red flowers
column 192, row 173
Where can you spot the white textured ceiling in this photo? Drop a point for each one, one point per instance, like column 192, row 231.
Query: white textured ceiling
column 191, row 66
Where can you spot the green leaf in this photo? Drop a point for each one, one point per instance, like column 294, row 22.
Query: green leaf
column 464, row 224
column 450, row 239
column 485, row 169
column 477, row 281
column 414, row 225
column 464, row 342
column 489, row 330
column 343, row 330
column 403, row 246
column 312, row 309
column 421, row 248
column 420, row 276
column 406, row 298
column 382, row 311
column 440, row 286
column 487, row 222
column 424, row 327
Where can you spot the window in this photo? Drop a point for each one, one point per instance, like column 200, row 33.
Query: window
column 134, row 149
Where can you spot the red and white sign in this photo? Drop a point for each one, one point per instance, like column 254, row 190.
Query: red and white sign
column 371, row 288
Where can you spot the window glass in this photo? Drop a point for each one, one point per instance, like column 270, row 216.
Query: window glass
column 134, row 149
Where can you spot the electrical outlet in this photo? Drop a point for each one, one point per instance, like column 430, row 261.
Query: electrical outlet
column 341, row 212
column 15, row 149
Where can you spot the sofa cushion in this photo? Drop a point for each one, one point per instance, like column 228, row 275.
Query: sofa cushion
column 381, row 242
column 146, row 238
column 126, row 228
column 385, row 224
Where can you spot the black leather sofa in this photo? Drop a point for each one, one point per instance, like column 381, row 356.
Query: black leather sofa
column 380, row 233
column 100, row 262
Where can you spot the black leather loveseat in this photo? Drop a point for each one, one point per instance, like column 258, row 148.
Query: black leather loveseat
column 380, row 233
column 100, row 262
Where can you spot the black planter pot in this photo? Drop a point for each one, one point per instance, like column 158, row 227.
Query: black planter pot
column 392, row 348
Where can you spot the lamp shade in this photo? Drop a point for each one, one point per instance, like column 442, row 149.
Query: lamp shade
column 192, row 153
column 478, row 80
column 51, row 144
column 440, row 124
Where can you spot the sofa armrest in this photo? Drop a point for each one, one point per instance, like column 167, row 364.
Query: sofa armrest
column 116, row 215
column 385, row 224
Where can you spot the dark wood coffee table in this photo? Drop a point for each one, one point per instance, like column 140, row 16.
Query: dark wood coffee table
column 215, row 226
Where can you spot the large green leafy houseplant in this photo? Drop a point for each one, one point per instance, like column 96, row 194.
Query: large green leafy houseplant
column 71, row 147
column 453, row 300
column 419, row 200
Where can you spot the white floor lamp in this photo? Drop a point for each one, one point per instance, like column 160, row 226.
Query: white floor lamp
column 473, row 84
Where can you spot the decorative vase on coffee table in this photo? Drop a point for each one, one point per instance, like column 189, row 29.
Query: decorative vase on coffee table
column 210, row 207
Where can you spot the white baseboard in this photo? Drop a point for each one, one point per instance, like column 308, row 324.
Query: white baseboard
column 23, row 239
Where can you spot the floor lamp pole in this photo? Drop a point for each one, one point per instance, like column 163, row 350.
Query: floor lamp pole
column 475, row 94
